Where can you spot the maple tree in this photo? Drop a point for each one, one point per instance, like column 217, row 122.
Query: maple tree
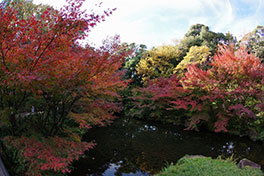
column 233, row 86
column 51, row 86
column 231, row 90
column 161, row 97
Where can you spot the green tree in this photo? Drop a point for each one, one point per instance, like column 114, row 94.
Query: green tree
column 254, row 42
column 25, row 8
column 139, row 51
column 200, row 35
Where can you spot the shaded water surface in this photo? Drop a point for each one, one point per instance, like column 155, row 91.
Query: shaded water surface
column 134, row 148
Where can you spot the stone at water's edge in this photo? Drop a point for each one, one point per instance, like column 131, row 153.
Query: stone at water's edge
column 194, row 156
column 245, row 162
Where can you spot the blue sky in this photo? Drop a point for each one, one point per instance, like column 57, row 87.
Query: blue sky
column 158, row 22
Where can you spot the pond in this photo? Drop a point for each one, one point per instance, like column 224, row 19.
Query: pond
column 131, row 147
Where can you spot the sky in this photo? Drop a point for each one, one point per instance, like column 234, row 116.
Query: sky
column 159, row 22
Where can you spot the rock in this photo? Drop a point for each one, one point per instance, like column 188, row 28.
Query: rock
column 194, row 156
column 245, row 162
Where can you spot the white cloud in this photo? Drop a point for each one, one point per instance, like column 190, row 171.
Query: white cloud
column 243, row 26
column 223, row 14
column 240, row 24
column 154, row 22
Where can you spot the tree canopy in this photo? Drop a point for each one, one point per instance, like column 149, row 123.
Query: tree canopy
column 51, row 88
column 196, row 55
column 254, row 42
column 200, row 35
column 159, row 61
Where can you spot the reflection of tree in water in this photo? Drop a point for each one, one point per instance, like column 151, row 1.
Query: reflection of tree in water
column 138, row 147
column 114, row 145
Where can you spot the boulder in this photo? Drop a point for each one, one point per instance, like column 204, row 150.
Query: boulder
column 245, row 162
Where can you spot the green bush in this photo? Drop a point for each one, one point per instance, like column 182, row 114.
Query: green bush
column 206, row 166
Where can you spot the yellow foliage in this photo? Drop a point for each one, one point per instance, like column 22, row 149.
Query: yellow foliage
column 74, row 136
column 158, row 62
column 196, row 55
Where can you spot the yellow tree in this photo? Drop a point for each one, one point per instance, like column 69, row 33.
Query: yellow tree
column 159, row 61
column 196, row 55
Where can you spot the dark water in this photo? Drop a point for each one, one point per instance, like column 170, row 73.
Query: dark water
column 134, row 148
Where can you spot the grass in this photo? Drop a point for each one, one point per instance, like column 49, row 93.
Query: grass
column 206, row 166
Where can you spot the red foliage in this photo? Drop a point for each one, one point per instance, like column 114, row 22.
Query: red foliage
column 36, row 49
column 221, row 123
column 231, row 87
column 169, row 92
column 41, row 58
column 48, row 154
column 98, row 113
column 233, row 83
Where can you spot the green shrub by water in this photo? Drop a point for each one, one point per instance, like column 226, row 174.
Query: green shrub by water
column 206, row 166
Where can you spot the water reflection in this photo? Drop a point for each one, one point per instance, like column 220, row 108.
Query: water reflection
column 131, row 148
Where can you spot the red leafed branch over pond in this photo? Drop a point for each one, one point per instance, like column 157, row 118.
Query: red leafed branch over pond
column 48, row 154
